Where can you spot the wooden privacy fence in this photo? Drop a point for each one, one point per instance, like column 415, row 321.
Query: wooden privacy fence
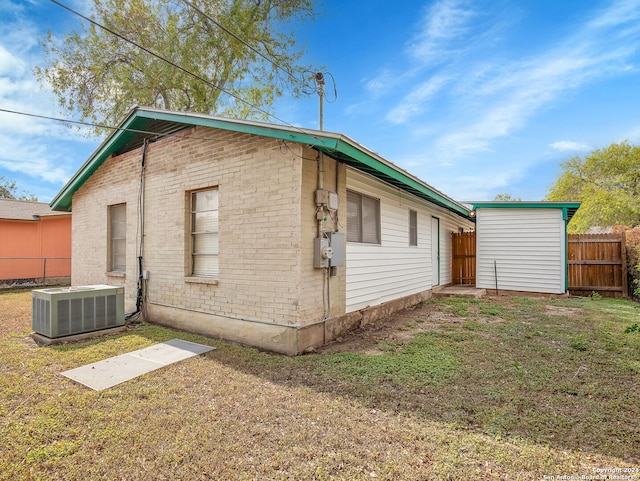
column 597, row 263
column 464, row 257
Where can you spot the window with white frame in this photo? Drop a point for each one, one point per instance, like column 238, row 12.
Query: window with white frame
column 118, row 238
column 363, row 218
column 204, row 233
column 413, row 228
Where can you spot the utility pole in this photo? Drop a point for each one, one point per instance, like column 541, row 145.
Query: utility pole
column 320, row 84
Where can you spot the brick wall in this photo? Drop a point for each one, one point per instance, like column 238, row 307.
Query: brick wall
column 312, row 279
column 267, row 226
column 116, row 182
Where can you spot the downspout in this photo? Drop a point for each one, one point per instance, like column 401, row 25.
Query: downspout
column 320, row 186
column 140, row 238
column 140, row 296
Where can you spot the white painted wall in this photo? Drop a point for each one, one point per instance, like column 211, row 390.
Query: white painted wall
column 528, row 246
column 393, row 269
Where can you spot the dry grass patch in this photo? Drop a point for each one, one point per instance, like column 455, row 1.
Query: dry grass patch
column 236, row 413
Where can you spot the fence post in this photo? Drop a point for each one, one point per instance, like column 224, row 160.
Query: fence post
column 623, row 256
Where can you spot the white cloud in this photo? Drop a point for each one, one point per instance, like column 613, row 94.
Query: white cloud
column 444, row 22
column 381, row 84
column 570, row 146
column 9, row 64
column 413, row 103
column 506, row 98
column 34, row 159
column 35, row 150
column 619, row 13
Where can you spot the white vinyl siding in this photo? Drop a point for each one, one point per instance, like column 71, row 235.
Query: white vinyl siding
column 204, row 233
column 394, row 269
column 118, row 237
column 528, row 247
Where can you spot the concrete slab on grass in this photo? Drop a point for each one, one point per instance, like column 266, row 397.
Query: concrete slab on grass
column 115, row 370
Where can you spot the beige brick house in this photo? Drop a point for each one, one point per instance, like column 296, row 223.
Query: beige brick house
column 272, row 236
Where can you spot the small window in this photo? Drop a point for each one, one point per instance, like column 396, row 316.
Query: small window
column 363, row 218
column 413, row 228
column 118, row 238
column 204, row 233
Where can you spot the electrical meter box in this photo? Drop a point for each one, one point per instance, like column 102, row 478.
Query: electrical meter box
column 329, row 250
column 322, row 252
column 327, row 198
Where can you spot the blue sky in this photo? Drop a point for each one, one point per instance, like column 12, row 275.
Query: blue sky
column 474, row 97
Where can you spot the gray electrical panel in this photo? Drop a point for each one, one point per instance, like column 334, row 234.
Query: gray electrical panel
column 337, row 243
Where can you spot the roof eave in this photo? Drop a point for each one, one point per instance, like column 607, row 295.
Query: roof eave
column 568, row 208
column 331, row 143
column 398, row 177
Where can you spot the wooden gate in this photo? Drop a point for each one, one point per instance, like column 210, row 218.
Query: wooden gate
column 597, row 263
column 464, row 258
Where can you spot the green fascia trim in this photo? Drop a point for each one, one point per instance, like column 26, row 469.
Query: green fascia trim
column 282, row 133
column 353, row 152
column 137, row 120
column 329, row 142
column 62, row 201
column 568, row 208
column 527, row 205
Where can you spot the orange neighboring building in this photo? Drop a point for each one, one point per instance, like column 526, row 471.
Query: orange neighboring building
column 35, row 243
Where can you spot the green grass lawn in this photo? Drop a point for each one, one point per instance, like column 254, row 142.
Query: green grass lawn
column 500, row 388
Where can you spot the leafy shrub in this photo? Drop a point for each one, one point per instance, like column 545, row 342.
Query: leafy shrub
column 579, row 342
column 632, row 236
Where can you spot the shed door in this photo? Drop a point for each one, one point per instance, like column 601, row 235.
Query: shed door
column 435, row 251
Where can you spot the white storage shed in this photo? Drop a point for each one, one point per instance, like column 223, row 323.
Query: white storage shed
column 522, row 246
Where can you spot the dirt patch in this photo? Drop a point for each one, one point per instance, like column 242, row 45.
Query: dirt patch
column 562, row 311
column 398, row 328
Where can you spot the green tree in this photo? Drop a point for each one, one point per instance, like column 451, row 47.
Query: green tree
column 506, row 197
column 9, row 190
column 99, row 76
column 607, row 182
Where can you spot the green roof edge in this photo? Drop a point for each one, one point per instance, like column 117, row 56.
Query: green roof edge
column 403, row 177
column 319, row 139
column 565, row 206
column 528, row 205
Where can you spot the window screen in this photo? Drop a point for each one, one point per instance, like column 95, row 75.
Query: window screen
column 363, row 218
column 118, row 233
column 413, row 228
column 204, row 233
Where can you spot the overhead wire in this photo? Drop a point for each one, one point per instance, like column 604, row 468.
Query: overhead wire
column 173, row 64
column 241, row 40
column 122, row 129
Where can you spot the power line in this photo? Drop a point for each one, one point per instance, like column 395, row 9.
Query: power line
column 157, row 135
column 242, row 41
column 77, row 122
column 150, row 52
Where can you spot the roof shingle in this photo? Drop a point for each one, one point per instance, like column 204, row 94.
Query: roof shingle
column 24, row 210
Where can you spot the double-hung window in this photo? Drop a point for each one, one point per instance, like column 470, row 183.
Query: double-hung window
column 204, row 233
column 413, row 228
column 363, row 218
column 118, row 238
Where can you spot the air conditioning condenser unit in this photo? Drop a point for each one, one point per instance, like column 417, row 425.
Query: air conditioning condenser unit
column 66, row 311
